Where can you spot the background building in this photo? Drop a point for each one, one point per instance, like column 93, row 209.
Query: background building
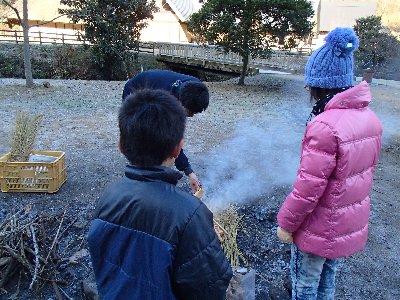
column 168, row 24
column 330, row 14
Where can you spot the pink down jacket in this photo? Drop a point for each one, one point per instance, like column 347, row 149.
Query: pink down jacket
column 328, row 208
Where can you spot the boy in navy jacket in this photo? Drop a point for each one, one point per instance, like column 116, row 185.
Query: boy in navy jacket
column 188, row 90
column 149, row 239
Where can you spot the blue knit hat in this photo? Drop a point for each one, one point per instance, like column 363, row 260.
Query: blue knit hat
column 331, row 65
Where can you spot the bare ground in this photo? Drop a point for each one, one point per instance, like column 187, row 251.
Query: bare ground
column 257, row 127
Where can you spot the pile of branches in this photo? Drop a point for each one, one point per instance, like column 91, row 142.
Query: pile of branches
column 36, row 246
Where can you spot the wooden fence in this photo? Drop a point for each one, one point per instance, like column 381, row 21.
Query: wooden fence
column 16, row 36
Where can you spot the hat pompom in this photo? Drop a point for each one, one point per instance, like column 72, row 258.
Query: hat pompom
column 342, row 40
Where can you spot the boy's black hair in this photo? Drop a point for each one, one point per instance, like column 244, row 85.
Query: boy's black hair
column 151, row 124
column 194, row 96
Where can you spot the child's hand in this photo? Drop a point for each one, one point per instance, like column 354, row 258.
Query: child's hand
column 284, row 235
column 195, row 184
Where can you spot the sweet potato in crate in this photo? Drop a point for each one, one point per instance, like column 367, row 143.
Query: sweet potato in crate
column 33, row 176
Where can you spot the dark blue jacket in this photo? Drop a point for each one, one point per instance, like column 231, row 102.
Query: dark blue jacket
column 150, row 240
column 163, row 80
column 156, row 79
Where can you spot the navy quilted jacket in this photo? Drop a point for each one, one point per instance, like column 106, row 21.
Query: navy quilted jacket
column 155, row 79
column 151, row 240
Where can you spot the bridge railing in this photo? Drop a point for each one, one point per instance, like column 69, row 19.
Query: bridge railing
column 185, row 51
column 278, row 59
column 199, row 52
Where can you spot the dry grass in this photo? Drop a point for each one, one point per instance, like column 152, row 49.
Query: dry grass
column 229, row 222
column 23, row 139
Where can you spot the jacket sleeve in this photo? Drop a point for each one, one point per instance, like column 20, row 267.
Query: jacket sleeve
column 318, row 160
column 128, row 87
column 201, row 268
column 137, row 82
column 182, row 163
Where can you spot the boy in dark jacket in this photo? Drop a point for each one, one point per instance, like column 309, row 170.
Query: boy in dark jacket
column 190, row 92
column 149, row 239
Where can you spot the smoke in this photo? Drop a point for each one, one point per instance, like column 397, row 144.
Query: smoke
column 262, row 156
column 390, row 124
column 251, row 163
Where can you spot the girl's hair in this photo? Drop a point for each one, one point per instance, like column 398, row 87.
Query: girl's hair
column 317, row 93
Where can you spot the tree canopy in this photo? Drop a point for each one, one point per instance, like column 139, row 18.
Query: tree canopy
column 5, row 10
column 377, row 44
column 246, row 27
column 111, row 26
column 23, row 22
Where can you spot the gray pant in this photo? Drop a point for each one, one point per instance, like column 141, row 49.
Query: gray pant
column 313, row 277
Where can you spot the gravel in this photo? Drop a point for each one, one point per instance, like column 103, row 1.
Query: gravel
column 245, row 149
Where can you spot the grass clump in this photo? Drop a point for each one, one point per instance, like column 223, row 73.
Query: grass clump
column 24, row 136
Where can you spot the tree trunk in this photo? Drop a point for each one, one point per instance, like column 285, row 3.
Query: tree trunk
column 245, row 61
column 27, row 53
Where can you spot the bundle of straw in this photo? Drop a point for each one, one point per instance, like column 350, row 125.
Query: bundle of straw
column 23, row 139
column 226, row 225
column 229, row 220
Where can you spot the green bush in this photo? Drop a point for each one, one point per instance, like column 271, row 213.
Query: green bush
column 377, row 44
column 10, row 66
column 73, row 62
column 69, row 62
column 40, row 68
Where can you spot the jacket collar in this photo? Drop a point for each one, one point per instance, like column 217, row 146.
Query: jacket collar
column 156, row 173
column 175, row 88
column 355, row 97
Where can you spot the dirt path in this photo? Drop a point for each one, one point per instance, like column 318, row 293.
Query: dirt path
column 245, row 148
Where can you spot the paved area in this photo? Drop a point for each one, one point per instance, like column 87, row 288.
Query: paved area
column 265, row 71
column 376, row 81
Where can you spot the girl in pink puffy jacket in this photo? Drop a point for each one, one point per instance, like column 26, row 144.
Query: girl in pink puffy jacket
column 326, row 214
